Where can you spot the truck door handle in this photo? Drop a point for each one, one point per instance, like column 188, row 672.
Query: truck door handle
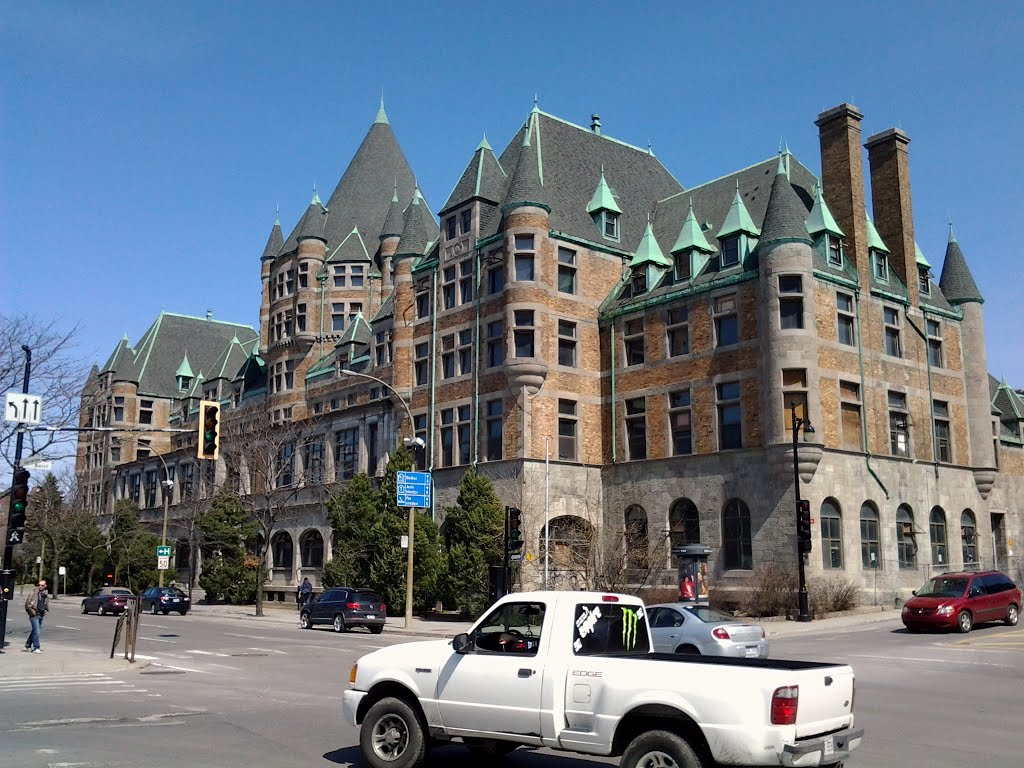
column 525, row 673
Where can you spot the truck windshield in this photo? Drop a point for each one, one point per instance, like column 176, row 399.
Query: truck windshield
column 609, row 628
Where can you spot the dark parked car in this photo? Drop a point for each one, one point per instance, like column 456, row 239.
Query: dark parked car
column 344, row 608
column 107, row 600
column 961, row 600
column 164, row 600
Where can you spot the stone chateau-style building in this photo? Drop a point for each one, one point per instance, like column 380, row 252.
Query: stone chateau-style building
column 576, row 304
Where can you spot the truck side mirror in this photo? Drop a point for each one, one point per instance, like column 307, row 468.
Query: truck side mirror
column 462, row 643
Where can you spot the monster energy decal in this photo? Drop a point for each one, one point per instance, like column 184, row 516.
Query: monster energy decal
column 630, row 619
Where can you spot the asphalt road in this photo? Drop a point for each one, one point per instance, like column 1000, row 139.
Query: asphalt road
column 227, row 693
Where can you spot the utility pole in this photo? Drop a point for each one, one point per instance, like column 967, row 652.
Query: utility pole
column 13, row 535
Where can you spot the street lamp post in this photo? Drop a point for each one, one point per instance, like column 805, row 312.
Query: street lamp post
column 798, row 424
column 168, row 486
column 413, row 442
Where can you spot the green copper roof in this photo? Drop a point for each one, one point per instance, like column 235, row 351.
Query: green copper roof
column 649, row 252
column 874, row 239
column 185, row 370
column 603, row 199
column 484, row 144
column 691, row 236
column 738, row 219
column 919, row 257
column 382, row 116
column 820, row 219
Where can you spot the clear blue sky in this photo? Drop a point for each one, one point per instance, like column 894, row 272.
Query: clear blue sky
column 143, row 145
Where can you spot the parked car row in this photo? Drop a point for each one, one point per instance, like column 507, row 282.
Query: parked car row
column 155, row 600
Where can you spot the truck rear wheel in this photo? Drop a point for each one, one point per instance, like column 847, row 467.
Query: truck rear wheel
column 660, row 749
column 392, row 736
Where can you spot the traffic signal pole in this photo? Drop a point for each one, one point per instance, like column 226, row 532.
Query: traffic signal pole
column 6, row 573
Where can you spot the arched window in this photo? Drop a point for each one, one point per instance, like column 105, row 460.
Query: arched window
column 281, row 547
column 311, row 548
column 969, row 537
column 831, row 534
column 737, row 552
column 683, row 525
column 570, row 539
column 637, row 546
column 869, row 552
column 182, row 555
column 906, row 544
column 937, row 536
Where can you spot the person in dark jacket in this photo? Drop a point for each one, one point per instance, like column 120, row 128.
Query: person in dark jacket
column 36, row 607
column 305, row 592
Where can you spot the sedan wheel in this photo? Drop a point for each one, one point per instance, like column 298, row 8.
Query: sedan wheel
column 964, row 622
column 152, row 609
column 84, row 609
column 304, row 621
column 339, row 623
column 103, row 610
column 1012, row 614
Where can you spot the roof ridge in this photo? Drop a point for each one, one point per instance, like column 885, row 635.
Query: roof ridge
column 208, row 320
column 589, row 132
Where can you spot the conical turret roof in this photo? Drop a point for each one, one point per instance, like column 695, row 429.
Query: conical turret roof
column 184, row 370
column 691, row 236
column 393, row 223
column 313, row 221
column 603, row 199
column 738, row 219
column 957, row 283
column 274, row 242
column 416, row 234
column 821, row 219
column 785, row 217
column 526, row 187
column 649, row 252
column 483, row 178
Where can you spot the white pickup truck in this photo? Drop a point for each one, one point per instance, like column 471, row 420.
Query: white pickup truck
column 573, row 671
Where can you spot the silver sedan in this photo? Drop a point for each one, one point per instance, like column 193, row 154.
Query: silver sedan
column 685, row 628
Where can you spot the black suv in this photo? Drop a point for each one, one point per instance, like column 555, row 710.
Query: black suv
column 164, row 600
column 344, row 608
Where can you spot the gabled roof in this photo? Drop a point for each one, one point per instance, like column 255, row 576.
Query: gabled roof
column 231, row 361
column 274, row 242
column 821, row 219
column 956, row 282
column 185, row 370
column 565, row 153
column 691, row 236
column 785, row 217
column 352, row 248
column 1010, row 404
column 603, row 199
column 919, row 257
column 357, row 332
column 738, row 218
column 875, row 241
column 649, row 252
column 254, row 372
column 483, row 179
column 153, row 366
column 196, row 388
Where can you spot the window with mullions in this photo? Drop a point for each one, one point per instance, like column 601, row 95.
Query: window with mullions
column 467, row 221
column 450, row 230
column 465, row 434
column 943, row 442
column 610, row 225
column 567, row 425
column 357, row 274
column 834, row 251
column 924, row 284
column 682, row 264
column 934, row 328
column 494, row 442
column 448, row 288
column 566, row 270
column 523, row 333
column 677, row 331
column 496, row 280
column 906, row 545
column 730, row 416
column 145, row 412
column 870, row 556
column 466, row 281
column 567, row 343
column 346, row 453
column 422, row 304
column 495, row 343
column 422, row 363
column 969, row 538
column 730, row 251
column 465, row 351
column 633, row 341
column 285, row 467
column 893, row 345
column 736, row 540
column 680, row 423
column 447, row 437
column 727, row 330
column 845, row 319
column 523, row 258
column 636, row 428
column 937, row 536
column 313, row 462
column 899, row 420
column 420, row 454
column 791, row 302
column 831, row 535
column 880, row 264
column 448, row 356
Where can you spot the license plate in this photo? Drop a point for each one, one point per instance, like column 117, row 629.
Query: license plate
column 830, row 747
column 370, row 616
column 176, row 600
column 752, row 652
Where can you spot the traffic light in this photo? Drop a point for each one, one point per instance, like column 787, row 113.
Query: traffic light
column 514, row 526
column 19, row 504
column 803, row 526
column 209, row 429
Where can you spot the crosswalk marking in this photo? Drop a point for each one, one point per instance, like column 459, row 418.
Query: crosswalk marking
column 98, row 681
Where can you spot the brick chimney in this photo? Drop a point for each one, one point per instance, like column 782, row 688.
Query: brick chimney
column 890, row 203
column 842, row 177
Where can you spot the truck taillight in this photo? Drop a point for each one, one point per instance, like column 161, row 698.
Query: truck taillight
column 784, row 704
column 720, row 633
column 609, row 599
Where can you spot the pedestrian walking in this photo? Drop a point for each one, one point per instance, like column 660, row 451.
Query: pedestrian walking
column 305, row 592
column 36, row 607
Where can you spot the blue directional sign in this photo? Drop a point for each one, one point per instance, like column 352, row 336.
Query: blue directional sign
column 413, row 489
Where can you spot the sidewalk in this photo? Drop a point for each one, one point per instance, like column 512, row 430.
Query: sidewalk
column 57, row 658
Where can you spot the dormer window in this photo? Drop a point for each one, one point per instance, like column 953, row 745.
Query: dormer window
column 682, row 268
column 610, row 225
column 730, row 251
column 880, row 265
column 639, row 285
column 835, row 251
column 184, row 382
column 924, row 283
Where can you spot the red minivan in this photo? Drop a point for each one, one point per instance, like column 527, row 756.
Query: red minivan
column 961, row 600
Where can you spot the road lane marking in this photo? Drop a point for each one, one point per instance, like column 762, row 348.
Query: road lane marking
column 182, row 669
column 931, row 661
column 73, row 629
column 225, row 666
column 247, row 637
column 207, row 653
column 268, row 650
column 157, row 639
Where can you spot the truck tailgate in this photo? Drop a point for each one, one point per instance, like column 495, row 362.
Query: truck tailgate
column 826, row 700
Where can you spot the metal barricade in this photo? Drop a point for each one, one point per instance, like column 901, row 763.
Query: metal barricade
column 128, row 623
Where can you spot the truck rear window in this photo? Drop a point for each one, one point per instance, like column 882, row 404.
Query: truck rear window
column 609, row 628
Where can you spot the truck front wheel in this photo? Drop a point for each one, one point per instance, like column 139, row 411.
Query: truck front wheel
column 392, row 736
column 660, row 749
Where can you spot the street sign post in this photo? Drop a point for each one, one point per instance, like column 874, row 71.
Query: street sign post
column 163, row 551
column 23, row 408
column 37, row 463
column 414, row 489
column 163, row 558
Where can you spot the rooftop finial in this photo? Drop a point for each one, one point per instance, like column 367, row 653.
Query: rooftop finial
column 209, row 314
column 382, row 116
column 394, row 195
column 952, row 234
column 277, row 215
